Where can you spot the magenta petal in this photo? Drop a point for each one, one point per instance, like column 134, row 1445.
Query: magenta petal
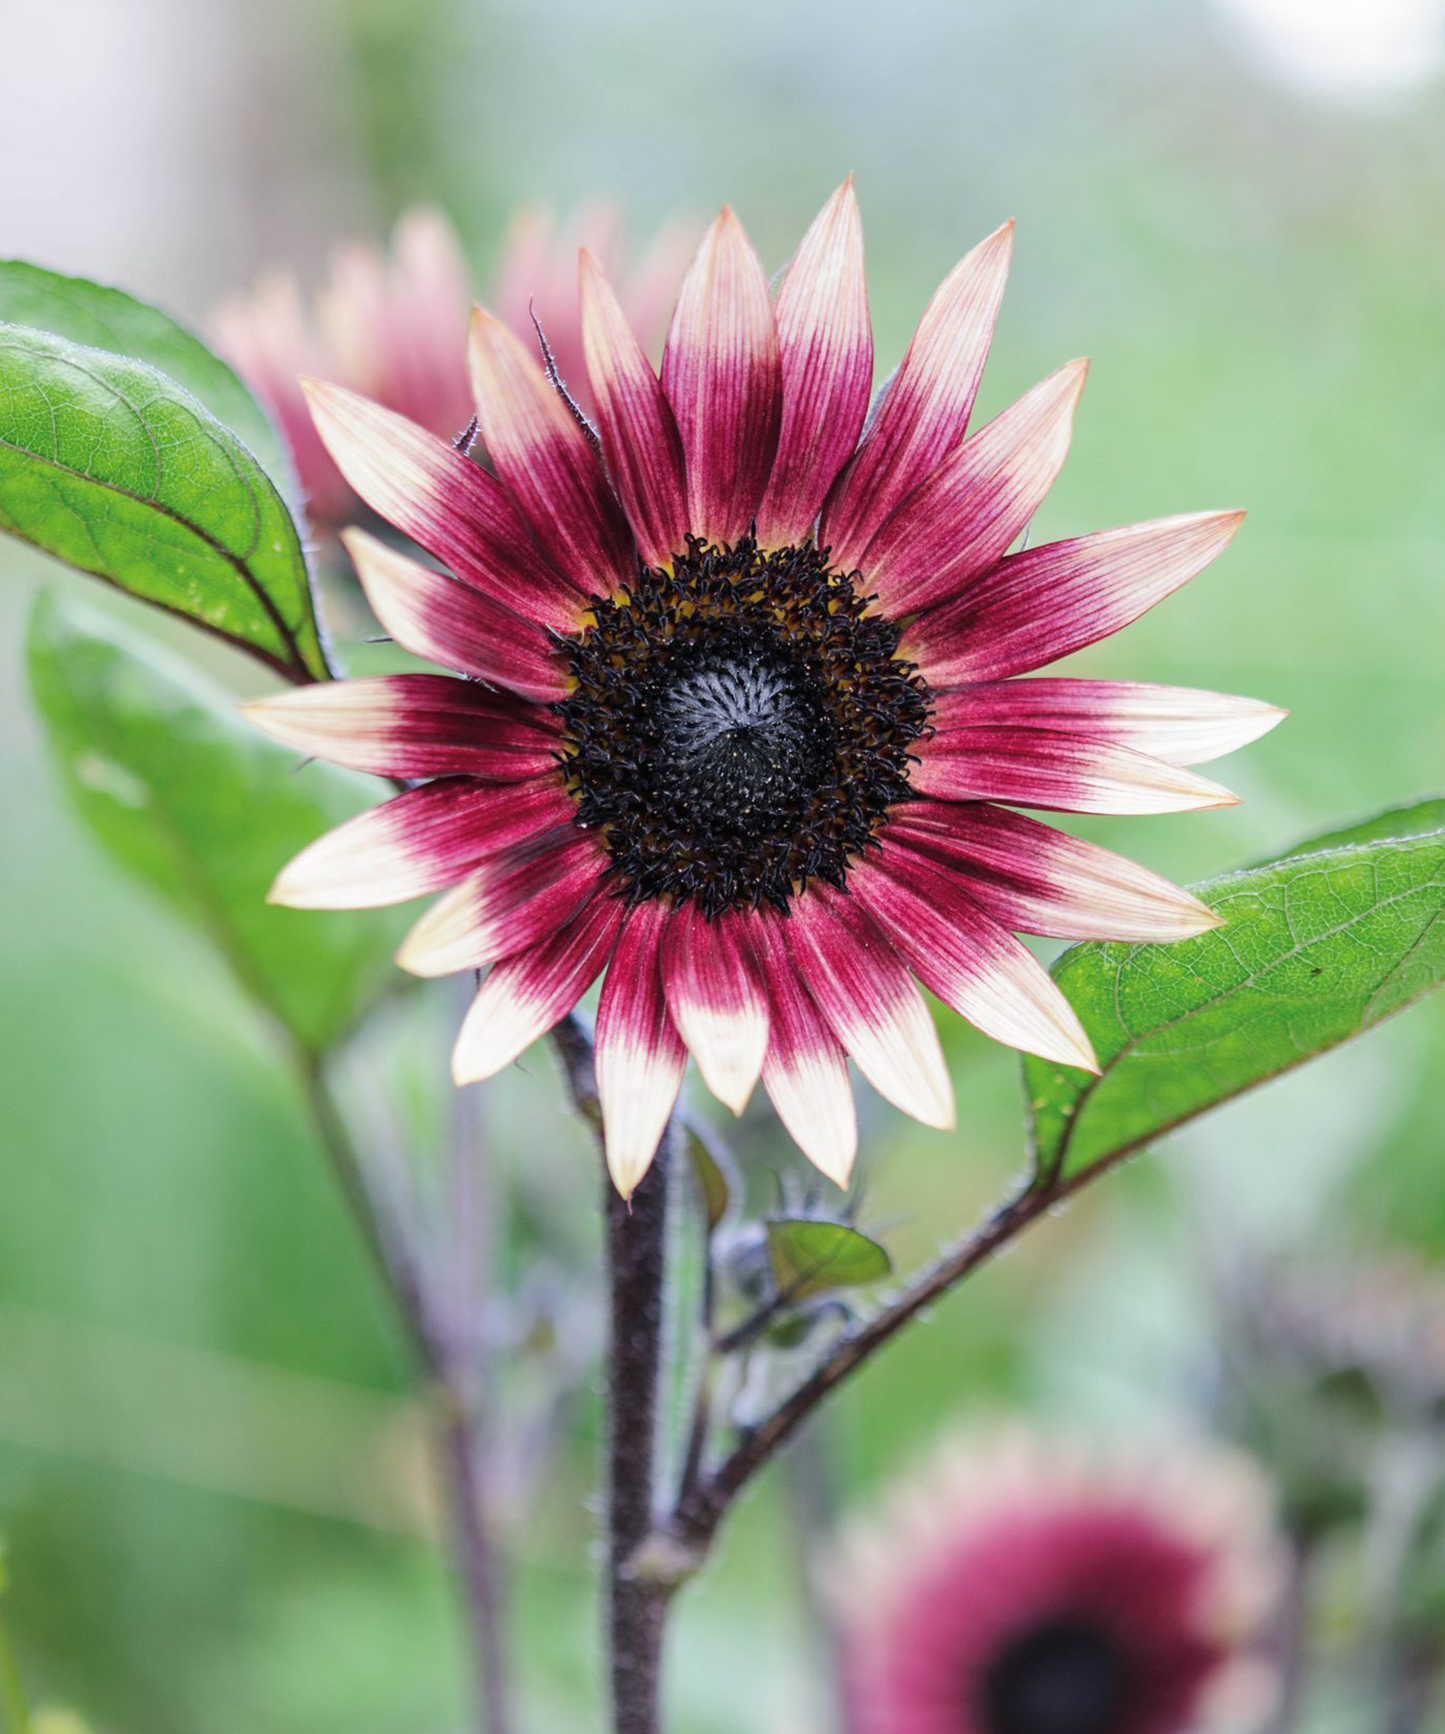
column 977, row 502
column 716, row 1000
column 1037, row 768
column 639, row 436
column 1177, row 723
column 925, row 411
column 1035, row 607
column 968, row 960
column 419, row 841
column 525, row 995
column 1028, row 876
column 512, row 900
column 412, row 725
column 449, row 623
column 640, row 1056
column 444, row 501
column 826, row 343
column 541, row 453
column 805, row 1071
column 723, row 378
column 865, row 992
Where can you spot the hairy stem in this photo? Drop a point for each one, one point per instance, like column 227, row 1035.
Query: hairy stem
column 637, row 1602
column 478, row 1567
column 441, row 1343
column 637, row 1597
column 703, row 1505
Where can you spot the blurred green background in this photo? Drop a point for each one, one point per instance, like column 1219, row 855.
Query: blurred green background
column 207, row 1457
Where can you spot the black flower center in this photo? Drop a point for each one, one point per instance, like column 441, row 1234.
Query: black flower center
column 1064, row 1677
column 739, row 725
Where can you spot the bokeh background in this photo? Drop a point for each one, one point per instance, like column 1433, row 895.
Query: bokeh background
column 207, row 1455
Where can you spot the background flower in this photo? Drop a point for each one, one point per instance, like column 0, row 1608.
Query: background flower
column 1022, row 1584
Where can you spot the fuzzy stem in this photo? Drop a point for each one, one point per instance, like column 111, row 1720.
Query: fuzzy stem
column 637, row 1603
column 703, row 1505
column 637, row 1598
column 436, row 1343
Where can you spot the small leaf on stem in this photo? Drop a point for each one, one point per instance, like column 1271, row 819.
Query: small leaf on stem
column 810, row 1257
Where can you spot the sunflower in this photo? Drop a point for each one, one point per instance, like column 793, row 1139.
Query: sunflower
column 740, row 726
column 1024, row 1585
column 391, row 322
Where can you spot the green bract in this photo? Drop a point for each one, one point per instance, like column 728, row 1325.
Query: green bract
column 1319, row 947
column 810, row 1257
column 196, row 802
column 112, row 467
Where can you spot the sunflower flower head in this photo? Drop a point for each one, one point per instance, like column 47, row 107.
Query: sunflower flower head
column 740, row 726
column 1018, row 1585
column 390, row 322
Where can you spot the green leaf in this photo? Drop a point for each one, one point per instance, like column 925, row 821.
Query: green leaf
column 1317, row 948
column 193, row 800
column 112, row 467
column 109, row 319
column 810, row 1258
column 715, row 1176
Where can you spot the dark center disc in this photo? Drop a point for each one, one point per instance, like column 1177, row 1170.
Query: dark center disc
column 1064, row 1677
column 739, row 725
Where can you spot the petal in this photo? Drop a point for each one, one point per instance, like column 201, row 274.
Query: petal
column 968, row 512
column 418, row 841
column 717, row 1001
column 805, row 1071
column 540, row 452
column 925, row 410
column 968, row 960
column 441, row 499
column 723, row 377
column 1177, row 723
column 865, row 992
column 1037, row 768
column 1047, row 602
column 640, row 1056
column 524, row 996
column 510, row 902
column 447, row 622
column 412, row 725
column 1029, row 876
column 639, row 436
column 826, row 343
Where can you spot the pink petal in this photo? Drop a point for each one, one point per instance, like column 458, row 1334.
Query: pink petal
column 540, row 452
column 1031, row 877
column 925, row 411
column 717, row 1001
column 446, row 622
column 412, row 725
column 507, row 904
column 723, row 378
column 639, row 436
column 862, row 988
column 1047, row 602
column 1176, row 723
column 640, row 1056
column 1037, row 768
column 419, row 841
column 524, row 996
column 826, row 343
column 440, row 498
column 805, row 1071
column 968, row 960
column 977, row 502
